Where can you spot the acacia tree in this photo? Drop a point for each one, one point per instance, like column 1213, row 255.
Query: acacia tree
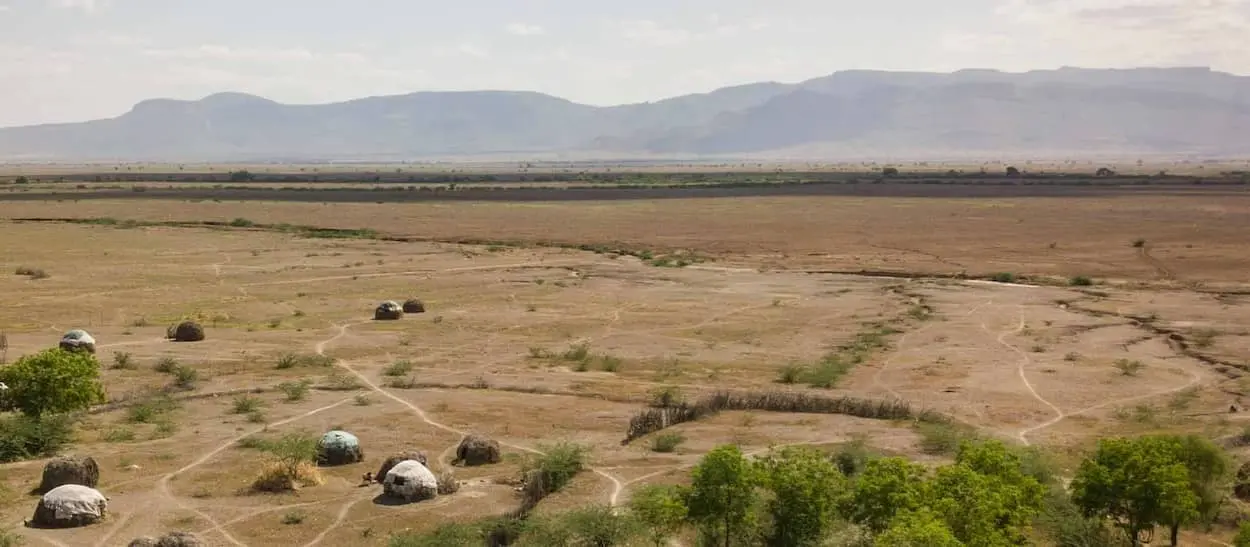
column 806, row 487
column 723, row 497
column 52, row 381
column 1137, row 483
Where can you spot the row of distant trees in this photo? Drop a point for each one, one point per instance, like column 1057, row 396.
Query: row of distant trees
column 1011, row 171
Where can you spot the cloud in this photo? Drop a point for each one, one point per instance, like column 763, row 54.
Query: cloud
column 655, row 34
column 88, row 6
column 523, row 29
column 1119, row 32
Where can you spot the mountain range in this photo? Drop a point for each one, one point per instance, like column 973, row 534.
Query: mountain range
column 1068, row 112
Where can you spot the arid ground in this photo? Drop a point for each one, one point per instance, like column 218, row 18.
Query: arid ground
column 531, row 341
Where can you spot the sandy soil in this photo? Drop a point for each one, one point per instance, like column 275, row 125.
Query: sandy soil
column 1032, row 365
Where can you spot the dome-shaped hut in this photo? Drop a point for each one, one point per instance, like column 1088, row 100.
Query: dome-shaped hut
column 186, row 331
column 413, row 305
column 410, row 481
column 63, row 470
column 392, row 461
column 70, row 505
column 477, row 450
column 76, row 340
column 339, row 448
column 387, row 311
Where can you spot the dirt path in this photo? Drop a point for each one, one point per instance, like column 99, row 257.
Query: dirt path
column 342, row 331
column 1024, row 378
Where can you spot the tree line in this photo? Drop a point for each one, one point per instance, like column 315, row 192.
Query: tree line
column 992, row 495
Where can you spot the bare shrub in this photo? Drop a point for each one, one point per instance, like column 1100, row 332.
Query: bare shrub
column 447, row 483
column 1129, row 367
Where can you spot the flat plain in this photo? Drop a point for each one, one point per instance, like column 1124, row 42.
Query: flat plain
column 553, row 321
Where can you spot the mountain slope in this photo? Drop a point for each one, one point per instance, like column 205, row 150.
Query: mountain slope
column 1068, row 111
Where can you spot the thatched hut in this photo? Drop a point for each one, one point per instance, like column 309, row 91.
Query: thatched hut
column 413, row 305
column 172, row 539
column 78, row 340
column 410, row 481
column 63, row 470
column 388, row 311
column 339, row 448
column 69, row 506
column 416, row 456
column 477, row 450
column 186, row 331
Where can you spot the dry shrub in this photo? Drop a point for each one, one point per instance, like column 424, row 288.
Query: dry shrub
column 279, row 477
column 414, row 306
column 447, row 483
column 651, row 420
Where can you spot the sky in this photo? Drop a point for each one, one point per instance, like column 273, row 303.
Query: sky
column 73, row 60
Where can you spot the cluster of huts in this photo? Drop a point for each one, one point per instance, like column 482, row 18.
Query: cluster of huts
column 81, row 340
column 70, row 498
column 406, row 477
column 391, row 310
column 68, row 486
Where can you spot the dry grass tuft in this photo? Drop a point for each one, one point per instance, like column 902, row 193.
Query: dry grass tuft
column 278, row 477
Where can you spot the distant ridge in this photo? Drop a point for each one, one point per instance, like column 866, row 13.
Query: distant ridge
column 1068, row 112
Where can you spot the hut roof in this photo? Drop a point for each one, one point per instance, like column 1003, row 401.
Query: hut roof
column 74, row 500
column 413, row 474
column 78, row 335
column 339, row 439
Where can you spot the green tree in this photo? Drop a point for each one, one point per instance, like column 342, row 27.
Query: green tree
column 1210, row 471
column 661, row 509
column 917, row 529
column 52, row 381
column 1137, row 483
column 884, row 488
column 453, row 534
column 1243, row 535
column 723, row 497
column 806, row 488
column 1007, row 499
column 591, row 527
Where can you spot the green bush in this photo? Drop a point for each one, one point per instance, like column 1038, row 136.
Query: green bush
column 245, row 404
column 1080, row 281
column 792, row 373
column 552, row 470
column 942, row 439
column 148, row 411
column 294, row 391
column 185, row 377
column 667, row 442
column 401, row 367
column 53, row 381
column 25, row 437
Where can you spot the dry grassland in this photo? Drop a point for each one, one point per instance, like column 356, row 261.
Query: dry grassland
column 535, row 344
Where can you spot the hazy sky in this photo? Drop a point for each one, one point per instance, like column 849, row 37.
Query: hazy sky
column 69, row 60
